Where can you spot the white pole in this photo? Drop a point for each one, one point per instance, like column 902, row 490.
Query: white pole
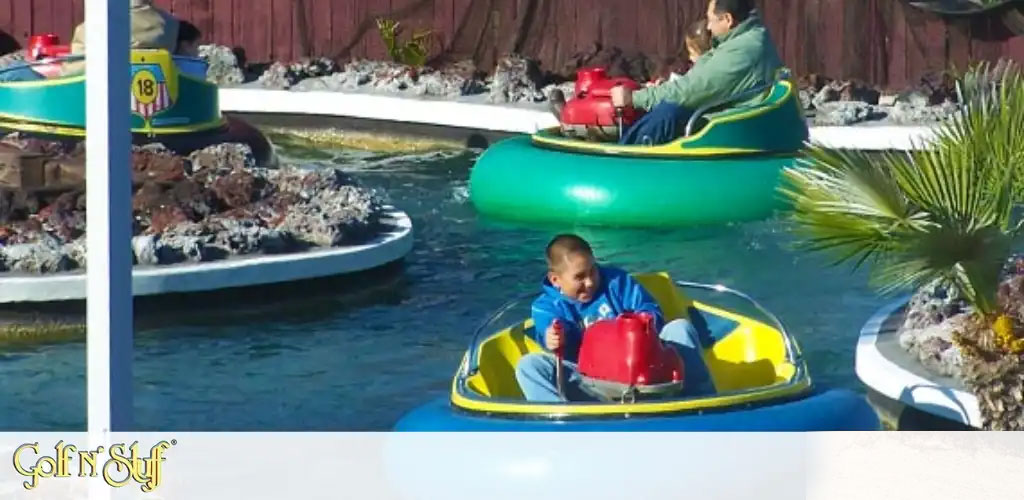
column 108, row 217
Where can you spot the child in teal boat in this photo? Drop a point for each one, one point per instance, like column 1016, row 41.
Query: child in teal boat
column 576, row 293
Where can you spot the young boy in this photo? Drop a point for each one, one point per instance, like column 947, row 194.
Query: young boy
column 577, row 293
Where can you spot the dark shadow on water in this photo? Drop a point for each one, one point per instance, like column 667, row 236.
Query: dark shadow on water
column 298, row 301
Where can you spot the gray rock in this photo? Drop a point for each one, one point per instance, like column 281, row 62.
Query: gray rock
column 515, row 79
column 144, row 249
column 914, row 98
column 43, row 256
column 223, row 65
column 933, row 304
column 275, row 77
column 226, row 156
column 933, row 346
column 845, row 112
column 906, row 113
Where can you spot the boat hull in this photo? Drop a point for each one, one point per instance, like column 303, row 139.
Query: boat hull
column 822, row 410
column 517, row 180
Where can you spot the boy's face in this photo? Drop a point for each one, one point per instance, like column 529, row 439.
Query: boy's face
column 577, row 277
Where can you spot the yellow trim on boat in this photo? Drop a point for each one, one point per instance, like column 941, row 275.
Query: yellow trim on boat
column 49, row 82
column 678, row 147
column 45, row 128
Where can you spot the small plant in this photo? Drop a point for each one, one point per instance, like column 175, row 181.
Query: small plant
column 413, row 52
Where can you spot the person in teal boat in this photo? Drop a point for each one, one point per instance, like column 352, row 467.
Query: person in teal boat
column 151, row 28
column 576, row 293
column 743, row 56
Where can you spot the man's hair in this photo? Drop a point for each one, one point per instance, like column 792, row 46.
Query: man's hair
column 187, row 32
column 740, row 9
column 564, row 245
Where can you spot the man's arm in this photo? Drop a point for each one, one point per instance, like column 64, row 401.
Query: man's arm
column 716, row 78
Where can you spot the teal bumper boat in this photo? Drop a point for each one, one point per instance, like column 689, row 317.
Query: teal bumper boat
column 726, row 168
column 171, row 103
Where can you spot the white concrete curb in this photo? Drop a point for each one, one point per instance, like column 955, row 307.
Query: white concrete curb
column 499, row 118
column 896, row 382
column 265, row 269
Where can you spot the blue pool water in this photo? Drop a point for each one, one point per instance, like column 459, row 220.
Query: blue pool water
column 354, row 354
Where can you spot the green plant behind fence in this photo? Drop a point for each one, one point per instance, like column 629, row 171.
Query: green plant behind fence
column 413, row 52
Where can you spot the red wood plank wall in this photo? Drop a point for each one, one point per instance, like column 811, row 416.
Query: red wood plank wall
column 884, row 42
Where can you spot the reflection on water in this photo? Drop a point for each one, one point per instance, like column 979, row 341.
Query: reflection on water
column 355, row 353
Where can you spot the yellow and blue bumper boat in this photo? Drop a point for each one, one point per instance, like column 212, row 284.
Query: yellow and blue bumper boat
column 761, row 381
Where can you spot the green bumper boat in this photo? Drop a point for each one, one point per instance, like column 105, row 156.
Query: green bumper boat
column 726, row 168
column 171, row 103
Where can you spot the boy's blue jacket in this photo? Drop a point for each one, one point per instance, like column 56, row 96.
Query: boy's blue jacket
column 618, row 293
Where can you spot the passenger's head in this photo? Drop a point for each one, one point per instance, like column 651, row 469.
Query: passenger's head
column 188, row 39
column 571, row 267
column 698, row 40
column 724, row 15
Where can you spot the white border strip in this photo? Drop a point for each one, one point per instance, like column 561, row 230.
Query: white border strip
column 501, row 118
column 897, row 383
column 238, row 272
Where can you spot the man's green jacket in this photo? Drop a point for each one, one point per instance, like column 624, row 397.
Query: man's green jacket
column 742, row 59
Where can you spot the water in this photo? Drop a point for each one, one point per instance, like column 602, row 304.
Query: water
column 356, row 353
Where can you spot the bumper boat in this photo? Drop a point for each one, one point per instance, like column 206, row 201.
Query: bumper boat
column 760, row 380
column 725, row 168
column 171, row 103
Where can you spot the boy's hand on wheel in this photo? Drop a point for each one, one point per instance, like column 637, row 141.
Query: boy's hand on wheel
column 553, row 336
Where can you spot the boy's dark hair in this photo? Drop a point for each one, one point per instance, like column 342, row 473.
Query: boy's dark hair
column 740, row 9
column 564, row 245
column 700, row 35
column 187, row 32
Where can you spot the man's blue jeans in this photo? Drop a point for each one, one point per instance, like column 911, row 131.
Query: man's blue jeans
column 663, row 123
column 536, row 372
column 19, row 72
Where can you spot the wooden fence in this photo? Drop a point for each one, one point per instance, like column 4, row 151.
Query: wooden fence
column 885, row 42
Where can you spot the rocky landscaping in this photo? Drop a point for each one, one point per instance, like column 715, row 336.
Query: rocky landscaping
column 516, row 79
column 214, row 204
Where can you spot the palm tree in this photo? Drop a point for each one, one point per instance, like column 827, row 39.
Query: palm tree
column 943, row 213
column 940, row 213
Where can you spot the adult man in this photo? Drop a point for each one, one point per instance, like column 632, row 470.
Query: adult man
column 151, row 28
column 742, row 58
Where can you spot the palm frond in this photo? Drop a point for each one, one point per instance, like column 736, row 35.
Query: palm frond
column 941, row 213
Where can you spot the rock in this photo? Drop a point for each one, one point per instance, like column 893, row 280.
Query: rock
column 275, row 77
column 281, row 76
column 223, row 65
column 157, row 165
column 229, row 156
column 211, row 205
column 933, row 304
column 144, row 249
column 827, row 94
column 858, row 91
column 341, row 214
column 845, row 113
column 933, row 345
column 515, row 79
column 905, row 113
column 237, row 189
column 43, row 256
column 914, row 98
